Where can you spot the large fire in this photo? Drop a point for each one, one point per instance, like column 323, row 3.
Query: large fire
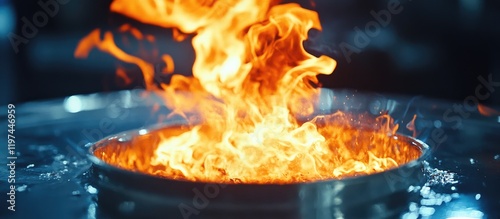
column 252, row 79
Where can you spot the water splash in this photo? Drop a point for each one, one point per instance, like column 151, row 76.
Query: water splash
column 430, row 199
column 439, row 177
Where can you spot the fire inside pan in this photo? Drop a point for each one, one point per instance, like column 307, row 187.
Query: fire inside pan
column 129, row 186
column 256, row 151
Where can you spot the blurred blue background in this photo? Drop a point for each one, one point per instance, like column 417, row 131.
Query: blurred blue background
column 433, row 48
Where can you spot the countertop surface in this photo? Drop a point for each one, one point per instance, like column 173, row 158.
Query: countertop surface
column 51, row 169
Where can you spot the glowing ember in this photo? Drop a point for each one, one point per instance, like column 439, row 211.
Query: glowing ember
column 251, row 79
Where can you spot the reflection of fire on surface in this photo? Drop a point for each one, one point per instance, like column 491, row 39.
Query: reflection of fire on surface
column 251, row 79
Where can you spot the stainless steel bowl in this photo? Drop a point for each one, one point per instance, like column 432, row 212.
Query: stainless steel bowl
column 137, row 195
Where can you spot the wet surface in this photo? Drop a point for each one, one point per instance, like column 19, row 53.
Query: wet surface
column 53, row 181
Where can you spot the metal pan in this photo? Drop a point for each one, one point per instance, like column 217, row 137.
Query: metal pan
column 132, row 194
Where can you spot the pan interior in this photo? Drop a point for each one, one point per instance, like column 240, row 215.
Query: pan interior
column 134, row 150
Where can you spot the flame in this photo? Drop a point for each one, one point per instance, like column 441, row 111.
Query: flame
column 411, row 126
column 487, row 111
column 252, row 79
column 122, row 74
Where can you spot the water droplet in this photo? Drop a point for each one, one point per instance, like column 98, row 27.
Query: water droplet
column 497, row 157
column 413, row 206
column 425, row 191
column 91, row 211
column 143, row 131
column 124, row 139
column 453, row 188
column 91, row 189
column 478, row 196
column 426, row 211
column 30, row 166
column 22, row 188
column 472, row 161
column 76, row 193
column 411, row 188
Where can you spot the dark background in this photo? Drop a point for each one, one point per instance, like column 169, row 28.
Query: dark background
column 431, row 48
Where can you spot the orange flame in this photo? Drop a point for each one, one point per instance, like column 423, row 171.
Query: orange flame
column 251, row 79
column 120, row 72
column 411, row 126
column 487, row 111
